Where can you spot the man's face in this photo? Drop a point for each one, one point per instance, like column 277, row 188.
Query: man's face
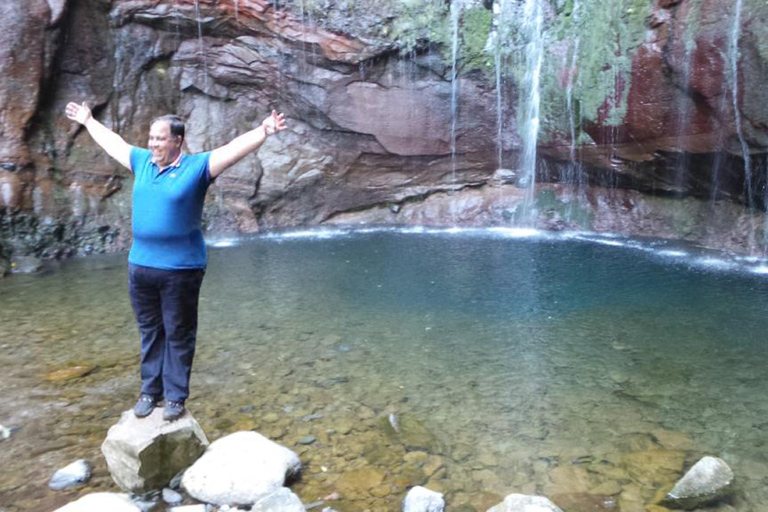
column 164, row 146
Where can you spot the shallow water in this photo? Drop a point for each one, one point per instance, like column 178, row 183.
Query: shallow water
column 558, row 366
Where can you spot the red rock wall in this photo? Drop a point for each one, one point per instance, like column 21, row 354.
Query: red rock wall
column 369, row 129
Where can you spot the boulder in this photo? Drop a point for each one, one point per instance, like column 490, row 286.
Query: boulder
column 101, row 501
column 240, row 469
column 421, row 499
column 76, row 473
column 707, row 481
column 524, row 503
column 145, row 454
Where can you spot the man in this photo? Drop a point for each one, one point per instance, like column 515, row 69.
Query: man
column 168, row 258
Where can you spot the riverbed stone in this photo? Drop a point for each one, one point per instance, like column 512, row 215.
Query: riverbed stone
column 172, row 497
column 76, row 473
column 409, row 431
column 240, row 469
column 707, row 481
column 282, row 500
column 100, row 502
column 144, row 454
column 69, row 373
column 421, row 499
column 358, row 483
column 585, row 502
column 525, row 503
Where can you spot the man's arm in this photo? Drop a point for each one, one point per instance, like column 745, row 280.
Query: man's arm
column 230, row 154
column 109, row 141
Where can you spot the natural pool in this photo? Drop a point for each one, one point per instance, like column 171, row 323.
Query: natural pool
column 567, row 366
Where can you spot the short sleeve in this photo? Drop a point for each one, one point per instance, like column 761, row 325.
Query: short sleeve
column 138, row 158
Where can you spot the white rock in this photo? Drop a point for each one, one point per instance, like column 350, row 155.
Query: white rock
column 76, row 473
column 101, row 501
column 708, row 480
column 523, row 503
column 189, row 508
column 240, row 469
column 144, row 454
column 282, row 500
column 421, row 499
column 171, row 497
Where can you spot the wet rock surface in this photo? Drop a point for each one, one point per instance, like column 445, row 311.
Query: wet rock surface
column 144, row 454
column 707, row 481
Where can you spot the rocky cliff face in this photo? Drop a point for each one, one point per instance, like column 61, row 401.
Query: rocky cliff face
column 641, row 101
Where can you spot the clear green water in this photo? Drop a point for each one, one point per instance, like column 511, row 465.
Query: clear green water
column 559, row 367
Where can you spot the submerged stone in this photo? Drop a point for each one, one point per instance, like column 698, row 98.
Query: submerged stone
column 70, row 373
column 524, row 503
column 76, row 473
column 282, row 500
column 708, row 480
column 585, row 502
column 407, row 430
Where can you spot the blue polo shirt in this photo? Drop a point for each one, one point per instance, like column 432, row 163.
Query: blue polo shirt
column 167, row 212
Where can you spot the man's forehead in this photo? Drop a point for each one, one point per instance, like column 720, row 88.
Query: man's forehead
column 160, row 128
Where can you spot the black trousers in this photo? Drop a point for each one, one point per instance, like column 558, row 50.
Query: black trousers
column 165, row 305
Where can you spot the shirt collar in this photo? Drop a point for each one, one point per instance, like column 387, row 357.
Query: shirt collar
column 173, row 164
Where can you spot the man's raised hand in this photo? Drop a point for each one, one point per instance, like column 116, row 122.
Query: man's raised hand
column 274, row 123
column 79, row 113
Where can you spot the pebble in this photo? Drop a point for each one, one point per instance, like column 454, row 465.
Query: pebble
column 307, row 440
column 6, row 432
column 172, row 497
column 76, row 473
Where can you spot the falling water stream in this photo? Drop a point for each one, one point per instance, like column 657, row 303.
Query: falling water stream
column 531, row 26
column 202, row 45
column 455, row 16
column 734, row 54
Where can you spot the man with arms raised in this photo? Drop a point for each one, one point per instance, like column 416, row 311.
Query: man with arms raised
column 168, row 258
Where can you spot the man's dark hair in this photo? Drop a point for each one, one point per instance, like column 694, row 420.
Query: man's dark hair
column 175, row 122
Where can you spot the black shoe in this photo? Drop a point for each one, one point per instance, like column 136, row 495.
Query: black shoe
column 145, row 406
column 173, row 410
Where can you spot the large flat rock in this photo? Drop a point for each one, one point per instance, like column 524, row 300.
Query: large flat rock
column 144, row 454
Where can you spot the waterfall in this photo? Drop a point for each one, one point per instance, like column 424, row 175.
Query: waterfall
column 499, row 8
column 573, row 177
column 202, row 46
column 534, row 51
column 733, row 57
column 455, row 14
column 684, row 115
